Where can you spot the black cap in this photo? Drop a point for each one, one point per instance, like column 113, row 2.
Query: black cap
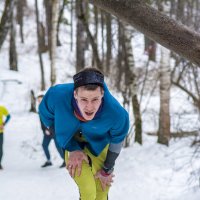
column 88, row 77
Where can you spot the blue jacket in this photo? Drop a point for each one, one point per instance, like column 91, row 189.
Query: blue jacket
column 110, row 126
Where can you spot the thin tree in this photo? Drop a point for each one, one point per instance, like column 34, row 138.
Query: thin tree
column 20, row 14
column 12, row 49
column 55, row 10
column 91, row 39
column 6, row 20
column 39, row 47
column 165, row 84
column 80, row 37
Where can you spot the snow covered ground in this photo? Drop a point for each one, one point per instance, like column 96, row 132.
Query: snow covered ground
column 151, row 171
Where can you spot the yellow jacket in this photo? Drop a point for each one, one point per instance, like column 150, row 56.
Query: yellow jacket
column 3, row 113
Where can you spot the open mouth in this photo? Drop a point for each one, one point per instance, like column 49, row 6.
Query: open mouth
column 89, row 113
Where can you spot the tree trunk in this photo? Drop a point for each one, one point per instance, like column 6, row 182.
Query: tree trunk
column 55, row 10
column 165, row 83
column 71, row 26
column 61, row 10
column 137, row 117
column 33, row 101
column 13, row 51
column 80, row 39
column 155, row 25
column 48, row 11
column 6, row 20
column 39, row 47
column 131, row 83
column 108, row 41
column 150, row 48
column 20, row 14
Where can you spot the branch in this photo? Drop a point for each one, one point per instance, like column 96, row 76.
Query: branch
column 155, row 25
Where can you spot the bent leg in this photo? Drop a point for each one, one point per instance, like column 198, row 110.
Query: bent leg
column 97, row 164
column 45, row 146
column 59, row 149
column 85, row 182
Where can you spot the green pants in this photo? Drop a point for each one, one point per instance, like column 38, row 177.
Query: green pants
column 89, row 187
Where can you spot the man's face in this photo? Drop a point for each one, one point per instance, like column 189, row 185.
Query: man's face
column 88, row 101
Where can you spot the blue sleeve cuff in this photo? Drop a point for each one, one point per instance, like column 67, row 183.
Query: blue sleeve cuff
column 7, row 119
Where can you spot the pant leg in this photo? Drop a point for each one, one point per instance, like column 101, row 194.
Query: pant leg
column 45, row 145
column 97, row 164
column 85, row 182
column 1, row 146
column 89, row 187
column 59, row 149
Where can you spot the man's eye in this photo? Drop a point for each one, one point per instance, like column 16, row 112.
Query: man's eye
column 84, row 100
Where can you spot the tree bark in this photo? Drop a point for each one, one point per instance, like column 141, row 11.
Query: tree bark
column 6, row 20
column 108, row 42
column 157, row 26
column 39, row 46
column 48, row 11
column 55, row 10
column 91, row 39
column 20, row 14
column 80, row 39
column 13, row 50
column 165, row 84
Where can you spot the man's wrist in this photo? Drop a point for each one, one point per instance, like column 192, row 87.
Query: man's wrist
column 107, row 171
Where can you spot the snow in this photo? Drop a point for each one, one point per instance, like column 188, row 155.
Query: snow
column 150, row 171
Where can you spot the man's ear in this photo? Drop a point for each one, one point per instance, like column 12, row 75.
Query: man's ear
column 102, row 92
column 75, row 94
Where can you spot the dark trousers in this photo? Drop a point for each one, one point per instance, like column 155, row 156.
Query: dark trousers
column 1, row 147
column 45, row 145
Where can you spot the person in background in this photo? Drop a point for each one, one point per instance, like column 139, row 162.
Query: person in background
column 4, row 118
column 90, row 125
column 48, row 135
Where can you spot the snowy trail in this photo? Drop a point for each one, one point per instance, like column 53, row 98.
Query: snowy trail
column 151, row 171
column 22, row 177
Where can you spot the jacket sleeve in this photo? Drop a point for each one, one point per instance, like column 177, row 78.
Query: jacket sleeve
column 46, row 108
column 120, row 128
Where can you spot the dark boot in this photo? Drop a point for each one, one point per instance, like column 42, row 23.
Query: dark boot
column 46, row 164
column 63, row 165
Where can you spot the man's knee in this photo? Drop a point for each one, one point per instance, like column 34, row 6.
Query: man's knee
column 87, row 192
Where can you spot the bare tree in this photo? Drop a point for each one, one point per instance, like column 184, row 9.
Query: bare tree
column 13, row 50
column 91, row 39
column 20, row 14
column 48, row 11
column 80, row 37
column 55, row 10
column 157, row 26
column 39, row 46
column 165, row 84
column 6, row 20
column 108, row 41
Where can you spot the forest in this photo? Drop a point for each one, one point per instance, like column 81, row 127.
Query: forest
column 149, row 51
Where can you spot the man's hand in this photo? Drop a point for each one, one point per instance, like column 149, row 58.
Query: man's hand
column 105, row 179
column 1, row 126
column 47, row 132
column 75, row 162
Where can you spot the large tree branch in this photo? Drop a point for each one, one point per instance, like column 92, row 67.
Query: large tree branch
column 155, row 25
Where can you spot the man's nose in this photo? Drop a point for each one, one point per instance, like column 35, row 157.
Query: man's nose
column 89, row 105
